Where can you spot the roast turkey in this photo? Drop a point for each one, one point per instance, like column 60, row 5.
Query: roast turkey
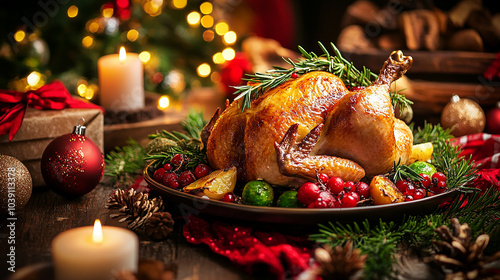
column 313, row 124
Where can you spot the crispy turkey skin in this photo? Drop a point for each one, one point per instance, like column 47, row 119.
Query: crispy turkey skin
column 313, row 124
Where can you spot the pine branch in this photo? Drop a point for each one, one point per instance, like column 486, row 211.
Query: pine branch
column 125, row 161
column 398, row 100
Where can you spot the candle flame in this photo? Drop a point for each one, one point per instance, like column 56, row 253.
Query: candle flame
column 97, row 233
column 123, row 54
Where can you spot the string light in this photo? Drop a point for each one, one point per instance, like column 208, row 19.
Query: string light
column 230, row 37
column 132, row 35
column 204, row 70
column 144, row 56
column 228, row 54
column 218, row 58
column 193, row 18
column 33, row 78
column 153, row 7
column 208, row 35
column 206, row 8
column 72, row 11
column 179, row 4
column 93, row 26
column 221, row 28
column 19, row 35
column 163, row 102
column 107, row 12
column 207, row 21
column 87, row 41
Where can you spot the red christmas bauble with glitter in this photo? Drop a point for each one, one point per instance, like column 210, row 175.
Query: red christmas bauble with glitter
column 72, row 164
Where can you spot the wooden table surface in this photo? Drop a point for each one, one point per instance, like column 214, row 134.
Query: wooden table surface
column 48, row 214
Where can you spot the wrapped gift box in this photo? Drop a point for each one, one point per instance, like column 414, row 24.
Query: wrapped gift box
column 40, row 127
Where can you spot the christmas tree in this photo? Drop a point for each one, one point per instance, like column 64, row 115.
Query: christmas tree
column 180, row 43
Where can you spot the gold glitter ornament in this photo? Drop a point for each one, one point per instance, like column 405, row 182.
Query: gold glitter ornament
column 464, row 116
column 15, row 185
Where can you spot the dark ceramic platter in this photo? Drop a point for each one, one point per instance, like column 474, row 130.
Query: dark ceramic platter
column 188, row 203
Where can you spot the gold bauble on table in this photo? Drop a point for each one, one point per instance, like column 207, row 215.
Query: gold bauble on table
column 464, row 116
column 15, row 185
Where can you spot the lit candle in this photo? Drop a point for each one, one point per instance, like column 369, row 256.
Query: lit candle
column 121, row 81
column 94, row 253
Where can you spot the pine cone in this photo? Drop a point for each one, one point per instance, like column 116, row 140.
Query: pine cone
column 135, row 207
column 462, row 256
column 339, row 262
column 159, row 225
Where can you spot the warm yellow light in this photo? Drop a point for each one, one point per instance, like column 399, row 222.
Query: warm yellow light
column 230, row 37
column 97, row 232
column 132, row 35
column 153, row 7
column 218, row 58
column 163, row 102
column 144, row 56
column 19, row 35
column 72, row 11
column 228, row 54
column 193, row 18
column 33, row 78
column 107, row 12
column 204, row 70
column 206, row 8
column 207, row 21
column 208, row 35
column 87, row 41
column 89, row 93
column 93, row 27
column 179, row 4
column 221, row 28
column 122, row 55
column 81, row 89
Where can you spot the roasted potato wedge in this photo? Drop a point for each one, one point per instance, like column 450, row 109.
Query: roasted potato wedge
column 383, row 191
column 215, row 185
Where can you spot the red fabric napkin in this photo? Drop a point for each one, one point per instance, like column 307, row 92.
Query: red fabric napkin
column 52, row 96
column 254, row 251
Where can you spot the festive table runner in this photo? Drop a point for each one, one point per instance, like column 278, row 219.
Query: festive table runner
column 287, row 256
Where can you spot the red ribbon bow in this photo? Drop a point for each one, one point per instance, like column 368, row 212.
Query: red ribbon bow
column 51, row 96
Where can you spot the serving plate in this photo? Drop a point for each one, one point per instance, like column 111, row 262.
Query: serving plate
column 192, row 204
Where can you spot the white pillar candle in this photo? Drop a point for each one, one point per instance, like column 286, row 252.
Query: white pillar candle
column 121, row 81
column 81, row 254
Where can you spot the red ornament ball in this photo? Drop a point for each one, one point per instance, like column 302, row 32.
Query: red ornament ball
column 72, row 164
column 493, row 121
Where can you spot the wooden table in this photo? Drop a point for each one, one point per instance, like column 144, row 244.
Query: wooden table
column 48, row 214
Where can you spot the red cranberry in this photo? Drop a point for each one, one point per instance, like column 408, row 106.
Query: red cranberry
column 308, row 193
column 202, row 170
column 355, row 195
column 170, row 180
column 158, row 175
column 178, row 160
column 426, row 181
column 168, row 167
column 348, row 201
column 438, row 177
column 336, row 185
column 327, row 198
column 186, row 178
column 409, row 197
column 323, row 178
column 402, row 185
column 294, row 75
column 363, row 189
column 349, row 186
column 410, row 189
column 228, row 197
column 419, row 193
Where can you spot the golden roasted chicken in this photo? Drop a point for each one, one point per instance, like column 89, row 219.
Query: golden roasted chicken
column 313, row 124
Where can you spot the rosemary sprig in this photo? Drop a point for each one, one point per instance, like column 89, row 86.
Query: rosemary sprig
column 402, row 171
column 258, row 83
column 400, row 101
